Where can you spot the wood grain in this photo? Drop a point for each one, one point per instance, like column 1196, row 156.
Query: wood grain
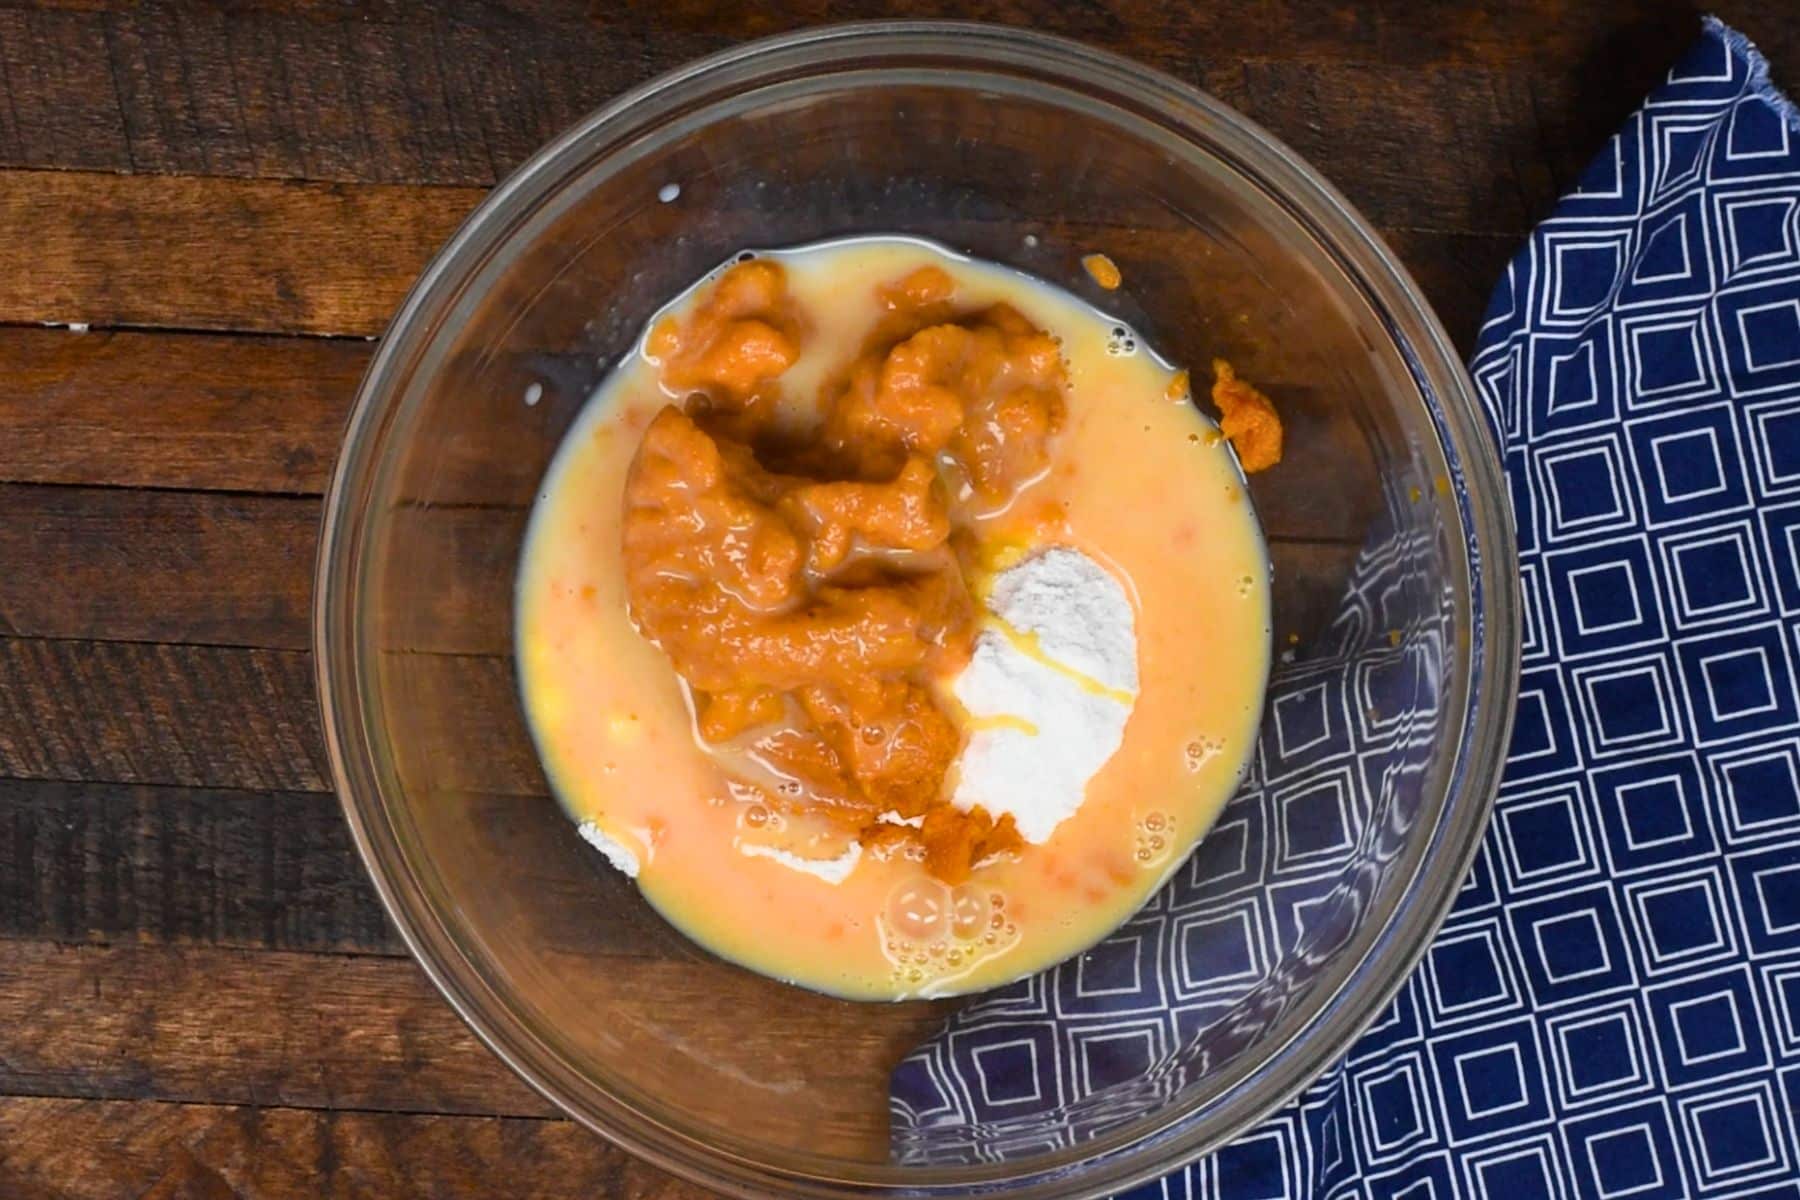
column 52, row 1149
column 1369, row 147
column 111, row 863
column 196, row 1024
column 462, row 95
column 336, row 257
column 253, row 256
column 256, row 414
column 230, row 717
column 130, row 565
column 184, row 253
column 370, row 1034
column 196, row 716
column 1457, row 273
column 107, row 863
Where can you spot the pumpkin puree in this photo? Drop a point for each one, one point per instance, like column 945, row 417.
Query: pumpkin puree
column 809, row 585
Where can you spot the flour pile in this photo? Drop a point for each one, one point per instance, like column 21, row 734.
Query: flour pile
column 1049, row 688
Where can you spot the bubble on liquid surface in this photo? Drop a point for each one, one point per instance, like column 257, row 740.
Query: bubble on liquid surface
column 919, row 910
column 1121, row 342
column 968, row 911
column 1203, row 750
column 533, row 393
column 668, row 192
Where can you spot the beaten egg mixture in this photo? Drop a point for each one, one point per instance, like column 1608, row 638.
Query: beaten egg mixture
column 897, row 620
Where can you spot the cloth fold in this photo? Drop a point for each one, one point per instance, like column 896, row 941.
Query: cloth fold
column 1613, row 1007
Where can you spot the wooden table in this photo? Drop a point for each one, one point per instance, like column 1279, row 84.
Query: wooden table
column 206, row 213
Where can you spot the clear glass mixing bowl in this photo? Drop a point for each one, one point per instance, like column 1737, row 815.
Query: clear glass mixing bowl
column 1021, row 149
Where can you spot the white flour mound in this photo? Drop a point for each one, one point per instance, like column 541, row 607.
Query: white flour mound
column 617, row 853
column 1063, row 719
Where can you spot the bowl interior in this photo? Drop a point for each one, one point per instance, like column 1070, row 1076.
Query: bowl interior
column 1031, row 159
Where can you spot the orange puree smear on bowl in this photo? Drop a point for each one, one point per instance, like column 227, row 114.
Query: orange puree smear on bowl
column 1103, row 270
column 1248, row 419
column 762, row 564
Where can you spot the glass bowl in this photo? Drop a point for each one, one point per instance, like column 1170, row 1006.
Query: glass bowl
column 1024, row 150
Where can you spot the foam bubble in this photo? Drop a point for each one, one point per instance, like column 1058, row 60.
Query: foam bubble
column 1121, row 342
column 966, row 911
column 919, row 910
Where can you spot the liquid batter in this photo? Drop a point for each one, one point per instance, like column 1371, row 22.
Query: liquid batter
column 1073, row 579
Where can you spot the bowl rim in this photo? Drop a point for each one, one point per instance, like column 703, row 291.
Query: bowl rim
column 1477, row 487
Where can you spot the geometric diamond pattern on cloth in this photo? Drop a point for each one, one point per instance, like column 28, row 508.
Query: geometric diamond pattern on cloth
column 1612, row 1008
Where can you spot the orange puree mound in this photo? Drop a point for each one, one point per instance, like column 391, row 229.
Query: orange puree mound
column 906, row 514
column 804, row 581
column 985, row 391
column 743, row 335
column 955, row 842
column 1247, row 418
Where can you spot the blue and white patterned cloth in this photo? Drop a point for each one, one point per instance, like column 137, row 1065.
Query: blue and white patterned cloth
column 1612, row 1009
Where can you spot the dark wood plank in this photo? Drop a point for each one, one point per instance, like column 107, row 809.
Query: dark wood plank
column 1628, row 38
column 460, row 99
column 1344, row 118
column 460, row 95
column 231, row 717
column 250, row 255
column 130, row 565
column 195, row 1024
column 107, row 863
column 1457, row 272
column 418, row 96
column 1362, row 126
column 239, row 413
column 124, row 712
column 174, row 411
column 198, row 1025
column 216, row 254
column 52, row 1149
